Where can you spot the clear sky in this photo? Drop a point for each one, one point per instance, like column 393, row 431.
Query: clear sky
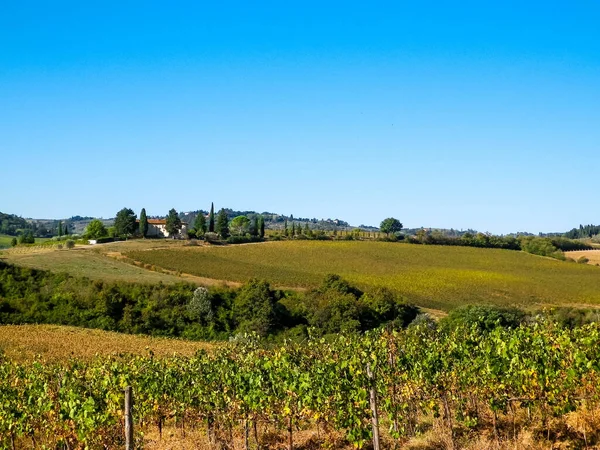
column 466, row 114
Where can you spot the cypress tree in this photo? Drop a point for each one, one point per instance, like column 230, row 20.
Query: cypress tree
column 211, row 218
column 255, row 230
column 60, row 228
column 306, row 229
column 143, row 223
column 262, row 227
column 293, row 229
column 200, row 224
column 285, row 228
column 222, row 224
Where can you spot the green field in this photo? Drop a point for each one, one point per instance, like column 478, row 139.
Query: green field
column 84, row 263
column 5, row 240
column 432, row 276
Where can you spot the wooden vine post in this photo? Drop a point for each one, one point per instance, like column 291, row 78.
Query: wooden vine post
column 373, row 402
column 128, row 418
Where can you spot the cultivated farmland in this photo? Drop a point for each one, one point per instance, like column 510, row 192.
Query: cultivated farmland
column 432, row 276
column 59, row 343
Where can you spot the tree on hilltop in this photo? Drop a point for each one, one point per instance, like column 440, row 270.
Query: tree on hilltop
column 143, row 223
column 211, row 218
column 390, row 225
column 95, row 230
column 222, row 225
column 240, row 225
column 200, row 224
column 173, row 224
column 254, row 231
column 125, row 222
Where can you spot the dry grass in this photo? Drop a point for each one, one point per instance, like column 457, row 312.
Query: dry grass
column 592, row 255
column 56, row 343
column 174, row 439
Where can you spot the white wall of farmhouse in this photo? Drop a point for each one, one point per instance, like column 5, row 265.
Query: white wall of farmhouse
column 160, row 230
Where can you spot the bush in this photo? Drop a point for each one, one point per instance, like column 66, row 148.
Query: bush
column 70, row 244
column 211, row 237
column 583, row 260
column 570, row 317
column 485, row 316
column 59, row 246
column 541, row 247
column 243, row 239
column 26, row 238
column 104, row 240
column 13, row 242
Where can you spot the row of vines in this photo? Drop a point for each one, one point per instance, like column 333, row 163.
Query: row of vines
column 465, row 377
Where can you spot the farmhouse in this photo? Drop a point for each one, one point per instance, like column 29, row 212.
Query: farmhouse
column 157, row 228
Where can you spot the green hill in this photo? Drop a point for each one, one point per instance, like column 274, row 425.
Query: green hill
column 431, row 276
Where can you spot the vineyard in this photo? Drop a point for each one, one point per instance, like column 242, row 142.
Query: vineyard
column 538, row 378
column 432, row 276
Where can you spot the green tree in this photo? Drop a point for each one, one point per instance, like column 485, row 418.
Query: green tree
column 95, row 230
column 390, row 225
column 222, row 225
column 307, row 231
column 254, row 231
column 254, row 307
column 200, row 224
column 26, row 237
column 125, row 222
column 14, row 242
column 173, row 223
column 211, row 218
column 60, row 229
column 143, row 223
column 239, row 225
column 262, row 227
column 293, row 229
column 286, row 232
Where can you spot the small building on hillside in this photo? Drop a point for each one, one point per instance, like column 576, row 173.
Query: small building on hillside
column 157, row 228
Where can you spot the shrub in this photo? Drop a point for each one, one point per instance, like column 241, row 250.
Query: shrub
column 59, row 246
column 211, row 237
column 13, row 242
column 70, row 244
column 237, row 239
column 485, row 316
column 583, row 260
column 541, row 247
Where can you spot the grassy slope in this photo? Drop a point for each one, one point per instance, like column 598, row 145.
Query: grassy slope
column 52, row 342
column 434, row 276
column 5, row 240
column 86, row 263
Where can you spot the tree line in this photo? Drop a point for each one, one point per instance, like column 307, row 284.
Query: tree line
column 187, row 311
column 583, row 232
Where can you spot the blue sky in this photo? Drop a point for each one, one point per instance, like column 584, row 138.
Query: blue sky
column 444, row 114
